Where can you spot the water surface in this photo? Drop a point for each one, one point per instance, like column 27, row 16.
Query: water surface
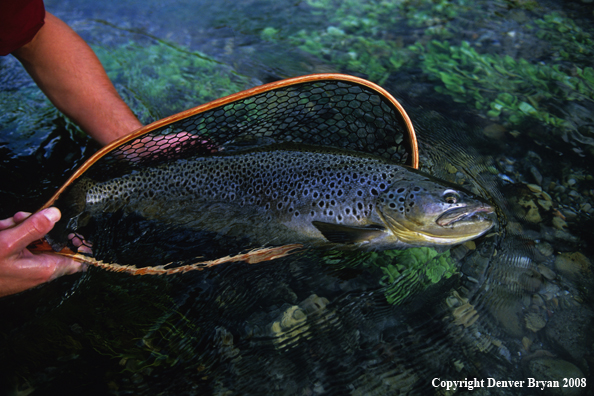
column 502, row 96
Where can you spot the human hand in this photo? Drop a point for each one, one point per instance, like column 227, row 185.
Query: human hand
column 21, row 269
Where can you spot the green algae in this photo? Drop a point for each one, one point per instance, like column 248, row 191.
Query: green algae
column 501, row 85
column 412, row 270
column 402, row 273
column 379, row 40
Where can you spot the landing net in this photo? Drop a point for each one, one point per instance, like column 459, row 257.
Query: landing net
column 328, row 110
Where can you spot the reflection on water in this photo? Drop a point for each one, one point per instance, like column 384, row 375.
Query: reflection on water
column 520, row 302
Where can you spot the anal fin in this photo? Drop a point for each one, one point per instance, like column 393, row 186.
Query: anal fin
column 338, row 233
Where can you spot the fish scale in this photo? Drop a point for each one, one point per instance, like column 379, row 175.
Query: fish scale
column 321, row 186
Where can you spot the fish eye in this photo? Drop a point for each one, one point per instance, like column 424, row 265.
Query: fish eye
column 451, row 197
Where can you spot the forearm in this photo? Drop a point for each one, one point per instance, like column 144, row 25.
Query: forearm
column 72, row 77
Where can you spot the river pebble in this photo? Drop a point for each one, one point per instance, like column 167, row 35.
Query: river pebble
column 545, row 248
column 572, row 265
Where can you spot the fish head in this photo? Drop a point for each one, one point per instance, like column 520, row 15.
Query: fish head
column 426, row 212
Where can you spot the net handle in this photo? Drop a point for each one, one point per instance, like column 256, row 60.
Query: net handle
column 414, row 163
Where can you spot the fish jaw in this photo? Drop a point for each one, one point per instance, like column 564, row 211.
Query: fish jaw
column 468, row 222
column 407, row 233
column 456, row 217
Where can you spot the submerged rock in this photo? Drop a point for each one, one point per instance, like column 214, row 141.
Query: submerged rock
column 494, row 131
column 570, row 330
column 572, row 265
column 535, row 321
column 293, row 325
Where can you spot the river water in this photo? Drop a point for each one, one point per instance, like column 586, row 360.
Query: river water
column 501, row 94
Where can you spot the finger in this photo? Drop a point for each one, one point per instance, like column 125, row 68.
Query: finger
column 81, row 245
column 12, row 221
column 17, row 238
column 20, row 216
column 7, row 223
column 35, row 269
column 63, row 265
column 41, row 267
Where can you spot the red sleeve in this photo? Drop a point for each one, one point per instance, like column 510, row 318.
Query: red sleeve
column 20, row 20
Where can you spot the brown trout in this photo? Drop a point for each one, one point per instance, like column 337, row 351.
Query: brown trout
column 283, row 196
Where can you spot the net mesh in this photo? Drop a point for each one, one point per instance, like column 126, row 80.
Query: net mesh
column 340, row 114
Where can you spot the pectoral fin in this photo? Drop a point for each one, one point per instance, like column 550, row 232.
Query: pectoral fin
column 338, row 233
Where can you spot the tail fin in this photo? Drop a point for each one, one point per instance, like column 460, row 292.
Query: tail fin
column 72, row 204
column 44, row 246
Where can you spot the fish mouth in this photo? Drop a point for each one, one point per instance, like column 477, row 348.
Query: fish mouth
column 467, row 214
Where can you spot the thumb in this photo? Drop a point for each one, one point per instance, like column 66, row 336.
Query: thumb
column 35, row 227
